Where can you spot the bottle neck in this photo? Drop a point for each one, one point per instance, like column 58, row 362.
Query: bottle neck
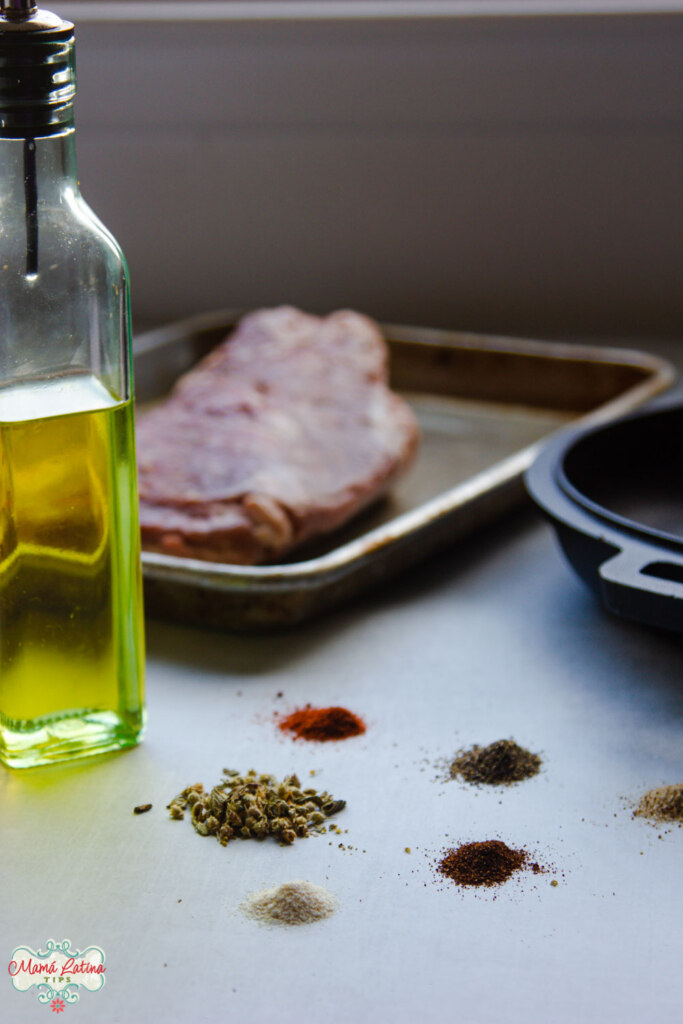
column 46, row 164
column 39, row 183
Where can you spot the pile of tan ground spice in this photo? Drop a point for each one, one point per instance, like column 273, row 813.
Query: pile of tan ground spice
column 291, row 903
column 662, row 804
column 501, row 763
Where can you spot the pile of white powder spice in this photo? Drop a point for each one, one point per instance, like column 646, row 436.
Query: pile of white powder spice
column 291, row 903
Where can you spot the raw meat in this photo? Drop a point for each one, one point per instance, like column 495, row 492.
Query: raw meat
column 284, row 432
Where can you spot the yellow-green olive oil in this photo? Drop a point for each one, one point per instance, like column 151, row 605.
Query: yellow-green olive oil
column 71, row 620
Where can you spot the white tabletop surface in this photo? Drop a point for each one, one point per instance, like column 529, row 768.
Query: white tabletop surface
column 495, row 639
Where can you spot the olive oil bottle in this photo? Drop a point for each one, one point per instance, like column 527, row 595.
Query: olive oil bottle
column 71, row 627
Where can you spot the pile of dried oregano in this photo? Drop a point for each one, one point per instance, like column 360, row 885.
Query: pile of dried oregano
column 255, row 806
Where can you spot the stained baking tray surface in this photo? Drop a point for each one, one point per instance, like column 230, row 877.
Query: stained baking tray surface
column 485, row 406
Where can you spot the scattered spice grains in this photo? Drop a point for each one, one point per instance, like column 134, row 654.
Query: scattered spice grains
column 662, row 804
column 255, row 806
column 142, row 808
column 292, row 903
column 486, row 863
column 322, row 724
column 501, row 763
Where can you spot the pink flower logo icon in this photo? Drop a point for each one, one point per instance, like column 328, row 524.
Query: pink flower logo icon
column 57, row 1006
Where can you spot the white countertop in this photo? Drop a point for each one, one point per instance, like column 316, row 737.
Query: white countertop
column 498, row 639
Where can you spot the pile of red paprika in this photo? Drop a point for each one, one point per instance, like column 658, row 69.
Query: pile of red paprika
column 322, row 724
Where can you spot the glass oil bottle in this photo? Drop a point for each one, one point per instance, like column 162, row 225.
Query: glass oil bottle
column 71, row 627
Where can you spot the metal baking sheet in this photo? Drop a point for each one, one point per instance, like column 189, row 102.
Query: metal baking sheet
column 485, row 405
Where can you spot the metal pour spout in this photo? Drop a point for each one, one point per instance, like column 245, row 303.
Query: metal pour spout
column 25, row 16
column 37, row 83
column 18, row 9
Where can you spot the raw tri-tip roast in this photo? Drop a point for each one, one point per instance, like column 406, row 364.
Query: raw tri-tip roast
column 284, row 432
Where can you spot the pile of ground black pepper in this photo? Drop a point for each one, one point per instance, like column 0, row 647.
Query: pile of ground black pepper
column 486, row 863
column 501, row 763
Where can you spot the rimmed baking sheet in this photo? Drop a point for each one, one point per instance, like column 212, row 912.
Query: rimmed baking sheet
column 485, row 405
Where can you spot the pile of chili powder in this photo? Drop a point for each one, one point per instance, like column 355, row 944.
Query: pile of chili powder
column 486, row 863
column 322, row 724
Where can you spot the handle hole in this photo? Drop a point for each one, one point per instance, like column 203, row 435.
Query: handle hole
column 664, row 571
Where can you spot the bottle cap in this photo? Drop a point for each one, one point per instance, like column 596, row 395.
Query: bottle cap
column 37, row 71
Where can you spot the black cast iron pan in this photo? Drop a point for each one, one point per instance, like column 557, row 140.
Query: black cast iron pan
column 615, row 497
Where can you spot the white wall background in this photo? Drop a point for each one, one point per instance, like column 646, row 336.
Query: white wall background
column 501, row 173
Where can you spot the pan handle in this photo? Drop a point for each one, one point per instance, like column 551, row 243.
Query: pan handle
column 639, row 583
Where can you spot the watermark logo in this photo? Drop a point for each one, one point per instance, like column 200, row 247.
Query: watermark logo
column 58, row 974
